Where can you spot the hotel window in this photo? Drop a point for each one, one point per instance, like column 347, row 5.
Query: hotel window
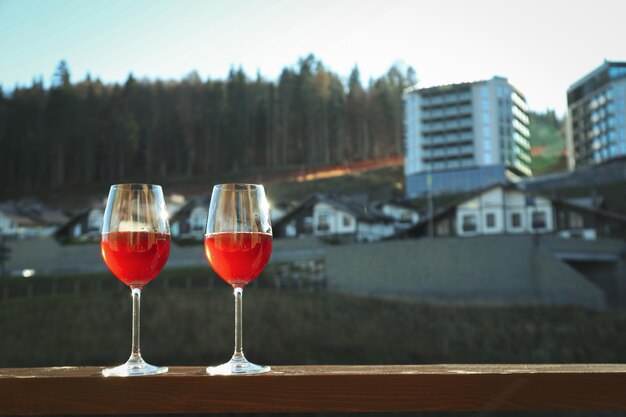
column 469, row 223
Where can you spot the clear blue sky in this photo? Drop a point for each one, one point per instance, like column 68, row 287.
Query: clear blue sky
column 541, row 46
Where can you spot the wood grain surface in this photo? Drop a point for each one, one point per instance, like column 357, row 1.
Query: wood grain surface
column 83, row 390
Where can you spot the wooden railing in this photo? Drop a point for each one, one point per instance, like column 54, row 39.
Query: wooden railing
column 82, row 390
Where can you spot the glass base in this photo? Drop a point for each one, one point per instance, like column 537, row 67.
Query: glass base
column 237, row 367
column 135, row 367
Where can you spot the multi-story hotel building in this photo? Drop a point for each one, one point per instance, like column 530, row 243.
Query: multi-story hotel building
column 465, row 136
column 597, row 115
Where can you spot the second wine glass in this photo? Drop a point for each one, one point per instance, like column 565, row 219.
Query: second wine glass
column 238, row 245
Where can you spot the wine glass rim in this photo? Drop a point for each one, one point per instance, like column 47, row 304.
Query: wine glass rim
column 134, row 185
column 238, row 184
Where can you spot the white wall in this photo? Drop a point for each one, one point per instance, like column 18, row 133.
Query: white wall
column 198, row 218
column 7, row 226
column 368, row 232
column 371, row 232
column 398, row 213
column 503, row 205
column 94, row 219
column 335, row 220
column 413, row 139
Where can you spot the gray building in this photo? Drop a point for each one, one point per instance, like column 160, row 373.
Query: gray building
column 597, row 115
column 461, row 137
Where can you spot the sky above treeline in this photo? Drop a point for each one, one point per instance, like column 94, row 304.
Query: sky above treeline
column 541, row 46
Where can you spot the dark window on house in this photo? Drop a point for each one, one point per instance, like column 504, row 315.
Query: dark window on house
column 322, row 222
column 539, row 220
column 290, row 229
column 575, row 220
column 198, row 221
column 469, row 223
column 443, row 228
column 490, row 220
column 308, row 225
column 516, row 220
column 94, row 221
column 347, row 221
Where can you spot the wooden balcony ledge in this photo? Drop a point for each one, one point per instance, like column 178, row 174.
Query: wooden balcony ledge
column 83, row 390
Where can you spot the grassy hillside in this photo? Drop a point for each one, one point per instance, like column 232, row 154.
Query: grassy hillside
column 379, row 184
column 181, row 327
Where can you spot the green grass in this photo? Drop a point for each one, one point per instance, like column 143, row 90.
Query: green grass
column 182, row 327
column 380, row 184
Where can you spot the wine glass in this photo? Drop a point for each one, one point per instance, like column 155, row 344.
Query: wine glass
column 135, row 246
column 238, row 244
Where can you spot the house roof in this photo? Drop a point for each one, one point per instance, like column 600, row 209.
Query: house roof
column 32, row 213
column 198, row 201
column 360, row 211
column 580, row 207
column 397, row 203
column 12, row 213
column 77, row 217
column 591, row 202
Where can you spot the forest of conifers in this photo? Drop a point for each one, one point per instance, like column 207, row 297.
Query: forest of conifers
column 88, row 131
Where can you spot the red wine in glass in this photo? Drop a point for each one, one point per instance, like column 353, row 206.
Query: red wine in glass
column 238, row 245
column 135, row 258
column 238, row 258
column 135, row 246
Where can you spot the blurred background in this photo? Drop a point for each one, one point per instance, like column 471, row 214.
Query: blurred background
column 446, row 179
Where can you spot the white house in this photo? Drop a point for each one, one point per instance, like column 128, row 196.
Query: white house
column 507, row 210
column 29, row 219
column 404, row 215
column 189, row 222
column 499, row 210
column 334, row 216
column 86, row 226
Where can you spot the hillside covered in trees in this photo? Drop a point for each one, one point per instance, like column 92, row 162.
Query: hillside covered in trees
column 547, row 142
column 91, row 132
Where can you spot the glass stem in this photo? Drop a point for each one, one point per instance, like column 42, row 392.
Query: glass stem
column 238, row 292
column 135, row 354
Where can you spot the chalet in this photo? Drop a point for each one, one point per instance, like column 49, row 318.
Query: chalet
column 85, row 226
column 506, row 209
column 189, row 222
column 29, row 219
column 404, row 215
column 278, row 211
column 332, row 215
